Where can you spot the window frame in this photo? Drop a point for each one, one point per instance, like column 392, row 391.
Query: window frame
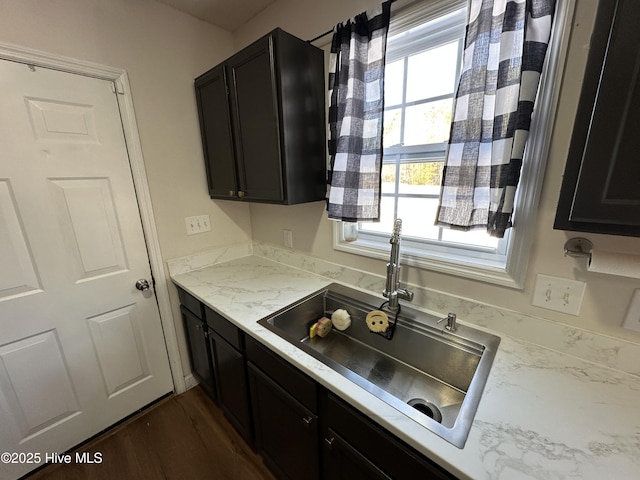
column 509, row 268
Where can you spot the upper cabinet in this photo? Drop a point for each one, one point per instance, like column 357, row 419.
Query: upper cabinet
column 601, row 185
column 262, row 120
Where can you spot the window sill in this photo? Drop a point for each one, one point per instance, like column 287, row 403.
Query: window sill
column 508, row 274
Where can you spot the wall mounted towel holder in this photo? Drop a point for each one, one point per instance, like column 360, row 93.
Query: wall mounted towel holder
column 578, row 247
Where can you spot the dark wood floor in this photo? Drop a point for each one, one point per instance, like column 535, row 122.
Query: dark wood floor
column 181, row 437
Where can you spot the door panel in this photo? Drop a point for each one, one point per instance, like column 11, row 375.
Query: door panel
column 62, row 121
column 80, row 347
column 118, row 345
column 87, row 217
column 18, row 273
column 22, row 391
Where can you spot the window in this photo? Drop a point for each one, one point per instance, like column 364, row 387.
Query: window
column 424, row 54
column 423, row 66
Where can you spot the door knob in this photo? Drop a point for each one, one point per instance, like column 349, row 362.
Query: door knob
column 142, row 285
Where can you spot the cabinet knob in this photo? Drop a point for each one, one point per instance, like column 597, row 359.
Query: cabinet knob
column 232, row 193
column 240, row 194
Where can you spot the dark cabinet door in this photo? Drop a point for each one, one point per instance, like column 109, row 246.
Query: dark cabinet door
column 232, row 385
column 354, row 445
column 601, row 185
column 199, row 352
column 254, row 101
column 217, row 135
column 343, row 462
column 286, row 431
column 262, row 122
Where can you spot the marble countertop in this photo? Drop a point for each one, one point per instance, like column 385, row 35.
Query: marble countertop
column 543, row 414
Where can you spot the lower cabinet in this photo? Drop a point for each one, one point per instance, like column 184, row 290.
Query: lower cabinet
column 286, row 423
column 233, row 393
column 199, row 352
column 357, row 448
column 342, row 461
column 302, row 431
column 231, row 373
column 216, row 352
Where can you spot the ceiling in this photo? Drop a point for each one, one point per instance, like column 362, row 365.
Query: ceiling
column 225, row 14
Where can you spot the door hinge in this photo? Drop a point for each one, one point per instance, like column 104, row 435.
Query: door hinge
column 116, row 87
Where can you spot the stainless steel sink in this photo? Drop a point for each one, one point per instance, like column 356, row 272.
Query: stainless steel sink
column 434, row 376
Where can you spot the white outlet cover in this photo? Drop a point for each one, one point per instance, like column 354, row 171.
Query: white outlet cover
column 559, row 294
column 287, row 238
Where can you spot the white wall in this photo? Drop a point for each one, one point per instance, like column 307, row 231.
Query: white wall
column 607, row 297
column 163, row 51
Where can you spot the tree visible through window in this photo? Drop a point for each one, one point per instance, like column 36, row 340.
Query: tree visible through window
column 421, row 75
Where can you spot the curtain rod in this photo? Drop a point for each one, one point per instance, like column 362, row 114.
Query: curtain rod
column 331, row 31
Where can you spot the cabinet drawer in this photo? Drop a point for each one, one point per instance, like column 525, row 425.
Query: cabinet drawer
column 191, row 302
column 391, row 455
column 224, row 328
column 287, row 376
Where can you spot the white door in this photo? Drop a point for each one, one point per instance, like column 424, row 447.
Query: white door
column 80, row 346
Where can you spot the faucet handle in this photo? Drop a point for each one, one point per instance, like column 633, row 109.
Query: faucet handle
column 451, row 322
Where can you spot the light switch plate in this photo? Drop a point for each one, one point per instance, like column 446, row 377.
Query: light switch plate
column 197, row 224
column 559, row 294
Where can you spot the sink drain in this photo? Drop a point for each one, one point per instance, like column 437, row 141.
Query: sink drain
column 426, row 408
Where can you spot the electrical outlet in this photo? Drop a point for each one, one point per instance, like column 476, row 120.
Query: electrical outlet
column 287, row 238
column 197, row 224
column 559, row 294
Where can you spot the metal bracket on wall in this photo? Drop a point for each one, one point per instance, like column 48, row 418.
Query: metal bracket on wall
column 578, row 247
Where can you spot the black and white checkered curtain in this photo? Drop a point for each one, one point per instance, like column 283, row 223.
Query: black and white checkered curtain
column 505, row 47
column 356, row 91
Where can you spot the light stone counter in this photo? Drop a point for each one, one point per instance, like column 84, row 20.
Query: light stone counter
column 543, row 414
